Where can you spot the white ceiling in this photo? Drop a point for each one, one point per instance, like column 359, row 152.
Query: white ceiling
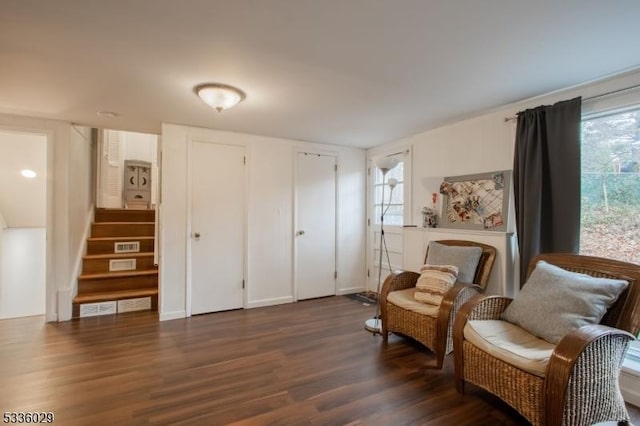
column 347, row 72
column 23, row 201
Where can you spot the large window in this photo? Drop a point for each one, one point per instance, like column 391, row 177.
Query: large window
column 395, row 213
column 610, row 213
column 610, row 222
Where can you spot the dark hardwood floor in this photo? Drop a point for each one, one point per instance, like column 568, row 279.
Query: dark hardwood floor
column 308, row 363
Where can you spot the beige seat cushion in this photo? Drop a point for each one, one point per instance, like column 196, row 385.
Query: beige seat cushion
column 511, row 344
column 404, row 299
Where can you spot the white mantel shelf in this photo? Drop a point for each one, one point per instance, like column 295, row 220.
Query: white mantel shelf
column 504, row 276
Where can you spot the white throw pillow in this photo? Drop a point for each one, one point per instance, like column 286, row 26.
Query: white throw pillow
column 434, row 282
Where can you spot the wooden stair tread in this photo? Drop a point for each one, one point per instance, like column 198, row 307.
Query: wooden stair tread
column 120, row 209
column 119, row 274
column 124, row 239
column 115, row 295
column 115, row 209
column 123, row 223
column 118, row 255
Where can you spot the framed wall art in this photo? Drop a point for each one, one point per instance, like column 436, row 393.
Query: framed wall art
column 479, row 201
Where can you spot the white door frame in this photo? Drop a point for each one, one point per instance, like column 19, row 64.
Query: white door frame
column 294, row 270
column 51, row 298
column 189, row 231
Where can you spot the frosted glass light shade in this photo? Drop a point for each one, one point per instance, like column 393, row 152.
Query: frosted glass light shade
column 220, row 96
column 385, row 163
column 29, row 174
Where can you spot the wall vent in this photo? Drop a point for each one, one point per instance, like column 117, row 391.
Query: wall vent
column 130, row 305
column 122, row 265
column 127, row 247
column 95, row 309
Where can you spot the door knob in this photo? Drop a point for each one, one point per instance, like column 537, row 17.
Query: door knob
column 300, row 232
column 196, row 235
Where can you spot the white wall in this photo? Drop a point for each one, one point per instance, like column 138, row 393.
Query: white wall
column 22, row 286
column 22, row 200
column 82, row 158
column 483, row 143
column 270, row 216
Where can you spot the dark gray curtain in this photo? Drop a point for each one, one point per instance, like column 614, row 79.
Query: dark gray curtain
column 546, row 180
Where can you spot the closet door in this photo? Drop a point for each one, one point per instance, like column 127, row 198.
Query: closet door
column 315, row 237
column 217, row 227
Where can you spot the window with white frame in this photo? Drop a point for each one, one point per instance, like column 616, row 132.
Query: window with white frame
column 393, row 200
column 610, row 186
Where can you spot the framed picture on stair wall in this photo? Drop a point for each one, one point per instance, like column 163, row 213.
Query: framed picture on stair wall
column 478, row 201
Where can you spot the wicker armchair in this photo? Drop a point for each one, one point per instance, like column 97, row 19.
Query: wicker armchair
column 579, row 384
column 434, row 333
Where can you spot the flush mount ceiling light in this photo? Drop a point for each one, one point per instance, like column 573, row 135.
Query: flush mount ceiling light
column 219, row 96
column 107, row 114
column 29, row 174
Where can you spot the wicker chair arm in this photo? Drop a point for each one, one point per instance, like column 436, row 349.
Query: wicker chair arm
column 583, row 374
column 449, row 308
column 455, row 298
column 478, row 307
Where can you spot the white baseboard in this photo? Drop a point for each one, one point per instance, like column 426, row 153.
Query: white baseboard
column 349, row 290
column 167, row 316
column 269, row 302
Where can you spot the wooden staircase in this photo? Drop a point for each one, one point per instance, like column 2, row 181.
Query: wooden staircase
column 103, row 278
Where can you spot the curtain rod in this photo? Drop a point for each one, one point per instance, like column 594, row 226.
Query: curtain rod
column 590, row 98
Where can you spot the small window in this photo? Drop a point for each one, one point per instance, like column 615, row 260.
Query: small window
column 394, row 201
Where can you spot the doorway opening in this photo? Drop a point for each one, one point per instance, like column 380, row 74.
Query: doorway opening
column 128, row 170
column 23, row 224
column 120, row 268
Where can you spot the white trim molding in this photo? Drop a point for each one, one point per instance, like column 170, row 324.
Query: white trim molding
column 167, row 316
column 630, row 375
column 350, row 290
column 269, row 302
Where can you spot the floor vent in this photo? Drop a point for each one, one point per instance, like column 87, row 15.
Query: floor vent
column 130, row 305
column 127, row 247
column 95, row 309
column 122, row 265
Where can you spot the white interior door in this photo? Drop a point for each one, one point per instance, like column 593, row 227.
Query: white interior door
column 217, row 227
column 316, row 226
column 111, row 171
